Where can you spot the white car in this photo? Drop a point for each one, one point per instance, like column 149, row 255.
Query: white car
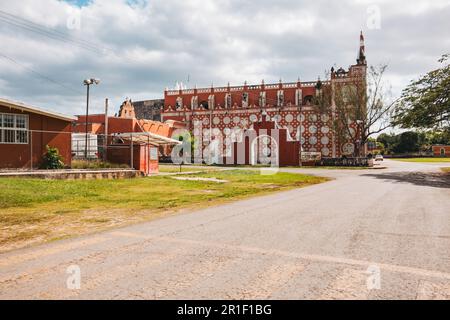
column 379, row 157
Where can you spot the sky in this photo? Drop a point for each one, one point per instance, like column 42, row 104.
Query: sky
column 138, row 48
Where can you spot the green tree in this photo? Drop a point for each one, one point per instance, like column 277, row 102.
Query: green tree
column 52, row 159
column 438, row 137
column 425, row 103
column 389, row 141
column 408, row 142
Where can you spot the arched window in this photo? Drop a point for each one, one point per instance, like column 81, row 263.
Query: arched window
column 179, row 103
column 308, row 100
column 194, row 102
column 245, row 100
column 204, row 104
column 228, row 101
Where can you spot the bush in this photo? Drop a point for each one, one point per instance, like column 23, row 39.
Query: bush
column 52, row 159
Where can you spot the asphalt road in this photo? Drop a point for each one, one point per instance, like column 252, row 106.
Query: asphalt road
column 371, row 234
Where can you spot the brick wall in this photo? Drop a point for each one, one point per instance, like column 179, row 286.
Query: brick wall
column 30, row 154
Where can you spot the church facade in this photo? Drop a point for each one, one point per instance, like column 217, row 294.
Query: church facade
column 228, row 112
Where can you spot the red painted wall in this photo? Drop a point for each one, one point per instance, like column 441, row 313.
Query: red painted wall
column 96, row 125
column 288, row 151
column 25, row 155
column 141, row 157
column 316, row 132
column 437, row 151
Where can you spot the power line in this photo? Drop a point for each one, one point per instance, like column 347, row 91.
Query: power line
column 38, row 73
column 31, row 26
column 53, row 34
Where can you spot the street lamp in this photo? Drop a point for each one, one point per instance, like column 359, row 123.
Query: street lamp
column 87, row 83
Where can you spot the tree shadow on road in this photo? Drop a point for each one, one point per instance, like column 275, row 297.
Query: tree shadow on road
column 427, row 179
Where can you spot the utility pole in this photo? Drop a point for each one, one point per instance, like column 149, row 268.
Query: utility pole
column 105, row 138
column 88, row 83
column 86, row 123
column 131, row 151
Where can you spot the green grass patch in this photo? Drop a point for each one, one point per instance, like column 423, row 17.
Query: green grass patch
column 96, row 164
column 423, row 160
column 35, row 210
column 215, row 167
column 332, row 168
column 171, row 168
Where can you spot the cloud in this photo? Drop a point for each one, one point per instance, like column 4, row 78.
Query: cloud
column 137, row 48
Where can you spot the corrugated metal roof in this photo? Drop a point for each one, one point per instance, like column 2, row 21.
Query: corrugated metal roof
column 32, row 109
column 148, row 137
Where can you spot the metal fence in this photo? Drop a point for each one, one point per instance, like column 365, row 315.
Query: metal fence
column 106, row 148
column 25, row 149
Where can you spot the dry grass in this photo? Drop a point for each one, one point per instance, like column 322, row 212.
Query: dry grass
column 34, row 210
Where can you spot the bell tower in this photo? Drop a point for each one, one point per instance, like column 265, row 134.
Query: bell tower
column 360, row 68
column 361, row 60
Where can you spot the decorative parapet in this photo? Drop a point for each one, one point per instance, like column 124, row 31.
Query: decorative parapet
column 288, row 85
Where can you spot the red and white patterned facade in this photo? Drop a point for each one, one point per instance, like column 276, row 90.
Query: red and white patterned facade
column 231, row 110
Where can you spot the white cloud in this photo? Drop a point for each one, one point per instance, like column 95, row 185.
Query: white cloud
column 157, row 43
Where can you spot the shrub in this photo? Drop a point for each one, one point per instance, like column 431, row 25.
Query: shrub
column 52, row 159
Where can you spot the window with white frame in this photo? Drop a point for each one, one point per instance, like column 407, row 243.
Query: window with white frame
column 280, row 96
column 179, row 103
column 211, row 102
column 194, row 102
column 228, row 101
column 262, row 99
column 298, row 97
column 13, row 128
column 245, row 100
